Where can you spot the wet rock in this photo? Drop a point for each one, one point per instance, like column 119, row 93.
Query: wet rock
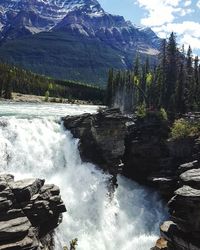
column 30, row 211
column 161, row 244
column 188, row 166
column 102, row 137
column 183, row 230
column 185, row 209
column 25, row 189
column 177, row 239
column 164, row 184
column 147, row 158
column 191, row 178
column 14, row 228
column 136, row 147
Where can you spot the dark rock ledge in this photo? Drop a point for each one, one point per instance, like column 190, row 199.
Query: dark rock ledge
column 29, row 212
column 137, row 148
column 182, row 231
column 141, row 150
column 102, row 137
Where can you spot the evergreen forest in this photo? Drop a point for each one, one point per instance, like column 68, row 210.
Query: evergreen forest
column 173, row 84
column 14, row 79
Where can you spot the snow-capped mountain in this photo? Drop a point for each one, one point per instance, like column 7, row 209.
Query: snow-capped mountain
column 33, row 16
column 22, row 17
column 70, row 39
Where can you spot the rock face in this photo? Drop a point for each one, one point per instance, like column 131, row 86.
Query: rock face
column 110, row 139
column 30, row 211
column 182, row 231
column 102, row 137
column 146, row 151
column 148, row 157
column 151, row 158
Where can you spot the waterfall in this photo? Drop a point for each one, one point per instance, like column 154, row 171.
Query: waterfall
column 39, row 146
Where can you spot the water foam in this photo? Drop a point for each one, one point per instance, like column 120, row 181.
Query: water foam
column 40, row 147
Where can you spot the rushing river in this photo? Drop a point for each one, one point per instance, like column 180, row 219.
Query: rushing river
column 33, row 143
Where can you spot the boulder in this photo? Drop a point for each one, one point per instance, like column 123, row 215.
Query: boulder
column 25, row 189
column 183, row 230
column 14, row 228
column 191, row 178
column 161, row 244
column 177, row 239
column 30, row 211
column 188, row 166
column 185, row 209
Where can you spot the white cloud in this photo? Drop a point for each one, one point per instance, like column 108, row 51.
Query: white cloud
column 160, row 11
column 166, row 16
column 190, row 40
column 187, row 31
column 185, row 12
column 187, row 3
column 198, row 4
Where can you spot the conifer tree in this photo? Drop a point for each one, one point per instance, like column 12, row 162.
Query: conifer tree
column 110, row 88
column 171, row 74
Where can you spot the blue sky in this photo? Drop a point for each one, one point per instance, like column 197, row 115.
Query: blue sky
column 163, row 16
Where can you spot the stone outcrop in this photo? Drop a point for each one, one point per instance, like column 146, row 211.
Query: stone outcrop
column 182, row 231
column 102, row 137
column 149, row 157
column 137, row 148
column 29, row 212
column 152, row 158
column 146, row 151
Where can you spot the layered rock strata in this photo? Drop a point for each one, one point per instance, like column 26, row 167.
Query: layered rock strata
column 29, row 212
column 182, row 230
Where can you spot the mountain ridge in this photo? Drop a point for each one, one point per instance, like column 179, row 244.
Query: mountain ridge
column 81, row 19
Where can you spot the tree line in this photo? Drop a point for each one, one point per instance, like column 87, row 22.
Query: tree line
column 173, row 84
column 14, row 79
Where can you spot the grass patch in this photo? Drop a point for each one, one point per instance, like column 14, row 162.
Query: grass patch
column 183, row 128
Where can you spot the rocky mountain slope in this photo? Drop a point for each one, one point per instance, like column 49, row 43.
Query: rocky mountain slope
column 81, row 19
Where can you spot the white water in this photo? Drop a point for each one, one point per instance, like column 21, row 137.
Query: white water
column 33, row 143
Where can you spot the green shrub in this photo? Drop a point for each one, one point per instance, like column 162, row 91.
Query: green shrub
column 163, row 114
column 73, row 244
column 141, row 111
column 183, row 128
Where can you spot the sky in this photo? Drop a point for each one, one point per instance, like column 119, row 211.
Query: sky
column 163, row 16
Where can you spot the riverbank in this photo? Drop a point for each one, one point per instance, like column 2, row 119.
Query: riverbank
column 18, row 97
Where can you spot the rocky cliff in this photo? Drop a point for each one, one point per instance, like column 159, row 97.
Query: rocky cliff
column 144, row 152
column 137, row 148
column 102, row 137
column 30, row 211
column 181, row 231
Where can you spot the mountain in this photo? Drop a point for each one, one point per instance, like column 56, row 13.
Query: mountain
column 73, row 39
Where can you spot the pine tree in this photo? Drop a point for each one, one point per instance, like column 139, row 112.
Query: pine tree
column 196, row 82
column 171, row 74
column 189, row 89
column 109, row 93
column 161, row 74
column 179, row 96
column 8, row 88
